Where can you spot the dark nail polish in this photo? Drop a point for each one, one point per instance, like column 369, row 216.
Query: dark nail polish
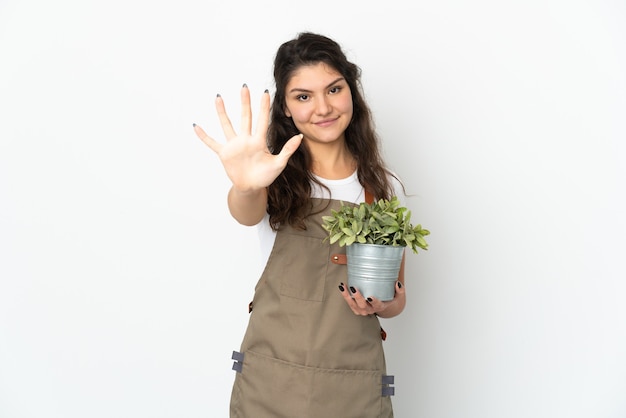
column 370, row 299
column 267, row 91
column 399, row 285
column 342, row 288
column 352, row 289
column 244, row 86
column 194, row 125
column 219, row 95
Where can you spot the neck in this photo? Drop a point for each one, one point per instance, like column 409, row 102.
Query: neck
column 332, row 162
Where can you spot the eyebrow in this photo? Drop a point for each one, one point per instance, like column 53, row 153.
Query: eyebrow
column 294, row 90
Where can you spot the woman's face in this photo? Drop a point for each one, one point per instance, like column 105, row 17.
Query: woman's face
column 319, row 101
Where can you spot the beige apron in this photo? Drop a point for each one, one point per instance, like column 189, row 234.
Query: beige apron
column 305, row 354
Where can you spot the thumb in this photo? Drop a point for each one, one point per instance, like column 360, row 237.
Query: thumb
column 290, row 147
column 400, row 287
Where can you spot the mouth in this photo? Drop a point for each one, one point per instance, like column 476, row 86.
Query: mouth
column 325, row 122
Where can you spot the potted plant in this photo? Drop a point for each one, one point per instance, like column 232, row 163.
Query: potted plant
column 375, row 235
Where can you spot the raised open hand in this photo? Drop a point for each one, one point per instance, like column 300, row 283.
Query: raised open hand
column 245, row 156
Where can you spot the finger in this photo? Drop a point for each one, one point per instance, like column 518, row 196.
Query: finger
column 210, row 142
column 377, row 305
column 289, row 148
column 348, row 298
column 246, row 111
column 346, row 295
column 264, row 114
column 360, row 301
column 400, row 288
column 227, row 127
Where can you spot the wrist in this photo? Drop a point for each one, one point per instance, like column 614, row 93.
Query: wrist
column 246, row 192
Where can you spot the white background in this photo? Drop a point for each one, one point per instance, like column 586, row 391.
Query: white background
column 124, row 283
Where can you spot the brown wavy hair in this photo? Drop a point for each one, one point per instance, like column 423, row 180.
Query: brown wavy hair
column 289, row 196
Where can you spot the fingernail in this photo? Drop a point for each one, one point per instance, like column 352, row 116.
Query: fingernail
column 219, row 95
column 267, row 91
column 399, row 285
column 244, row 85
column 352, row 289
column 341, row 287
column 369, row 299
column 194, row 125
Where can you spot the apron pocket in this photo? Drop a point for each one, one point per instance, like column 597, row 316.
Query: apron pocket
column 302, row 275
column 273, row 388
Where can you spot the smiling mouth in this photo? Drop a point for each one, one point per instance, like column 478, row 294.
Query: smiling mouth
column 325, row 122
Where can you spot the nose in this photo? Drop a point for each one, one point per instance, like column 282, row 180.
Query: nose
column 323, row 106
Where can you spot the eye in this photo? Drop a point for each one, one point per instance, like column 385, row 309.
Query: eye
column 302, row 97
column 334, row 90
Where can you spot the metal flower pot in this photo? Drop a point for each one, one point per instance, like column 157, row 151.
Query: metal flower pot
column 373, row 269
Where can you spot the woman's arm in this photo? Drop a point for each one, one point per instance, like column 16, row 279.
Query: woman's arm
column 248, row 208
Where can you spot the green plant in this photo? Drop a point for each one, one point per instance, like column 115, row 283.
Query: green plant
column 380, row 222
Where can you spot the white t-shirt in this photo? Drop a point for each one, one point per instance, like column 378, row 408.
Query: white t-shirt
column 346, row 190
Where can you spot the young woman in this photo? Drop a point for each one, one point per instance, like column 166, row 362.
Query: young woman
column 312, row 349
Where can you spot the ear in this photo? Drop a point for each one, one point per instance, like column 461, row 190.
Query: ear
column 287, row 113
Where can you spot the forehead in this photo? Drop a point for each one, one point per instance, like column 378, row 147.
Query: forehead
column 313, row 76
